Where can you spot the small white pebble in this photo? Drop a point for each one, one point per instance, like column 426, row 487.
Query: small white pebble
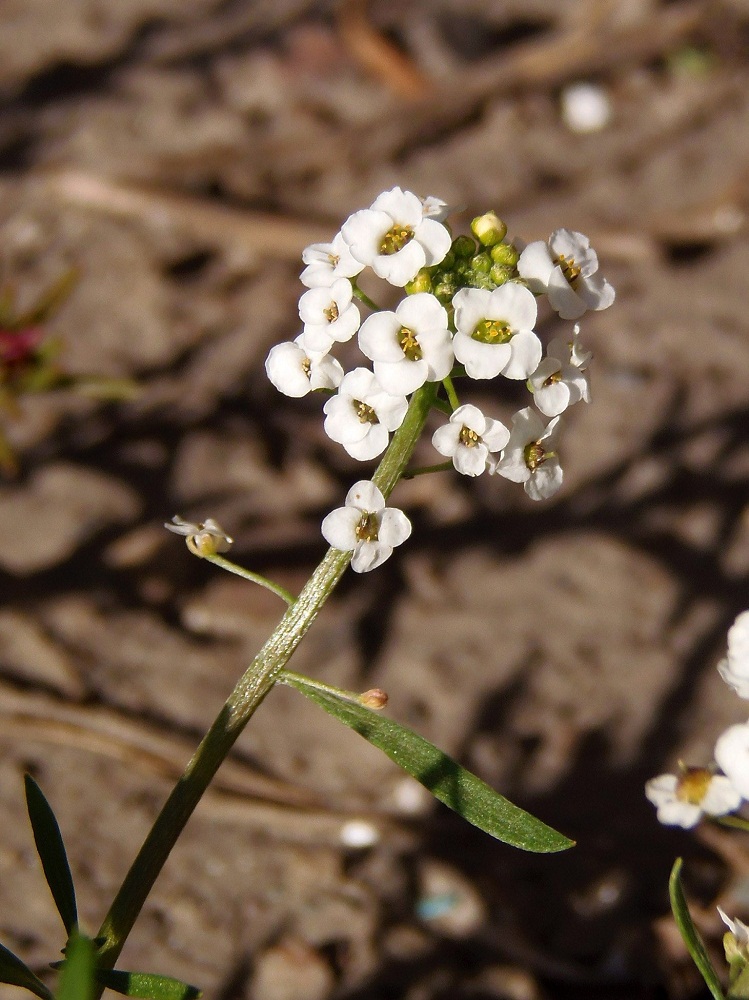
column 586, row 107
column 359, row 833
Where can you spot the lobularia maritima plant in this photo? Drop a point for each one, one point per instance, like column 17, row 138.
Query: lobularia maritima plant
column 700, row 793
column 469, row 309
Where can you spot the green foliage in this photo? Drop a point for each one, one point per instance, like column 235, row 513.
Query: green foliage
column 146, row 985
column 689, row 933
column 452, row 784
column 15, row 973
column 52, row 854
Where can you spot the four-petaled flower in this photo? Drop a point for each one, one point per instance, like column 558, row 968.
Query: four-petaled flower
column 561, row 380
column 204, row 539
column 530, row 456
column 495, row 331
column 734, row 668
column 565, row 268
column 327, row 262
column 681, row 800
column 294, row 371
column 361, row 415
column 329, row 315
column 366, row 527
column 410, row 346
column 396, row 237
column 469, row 439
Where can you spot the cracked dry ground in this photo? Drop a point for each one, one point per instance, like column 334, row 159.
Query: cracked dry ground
column 180, row 155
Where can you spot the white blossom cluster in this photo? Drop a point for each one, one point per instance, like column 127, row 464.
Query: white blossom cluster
column 683, row 799
column 469, row 310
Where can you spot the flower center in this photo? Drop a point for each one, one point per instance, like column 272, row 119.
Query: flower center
column 468, row 438
column 395, row 239
column 409, row 344
column 535, row 454
column 365, row 413
column 569, row 268
column 552, row 379
column 307, row 367
column 693, row 785
column 492, row 331
column 333, row 259
column 368, row 527
column 331, row 314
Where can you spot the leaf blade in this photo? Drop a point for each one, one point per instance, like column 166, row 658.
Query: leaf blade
column 689, row 934
column 77, row 975
column 448, row 781
column 146, row 985
column 14, row 972
column 52, row 854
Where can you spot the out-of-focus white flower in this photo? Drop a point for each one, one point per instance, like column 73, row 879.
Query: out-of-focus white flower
column 329, row 315
column 738, row 928
column 561, row 380
column 435, row 208
column 469, row 439
column 495, row 331
column 530, row 457
column 732, row 756
column 326, row 262
column 565, row 268
column 410, row 346
column 296, row 372
column 396, row 237
column 361, row 415
column 586, row 107
column 681, row 800
column 734, row 668
column 204, row 539
column 366, row 527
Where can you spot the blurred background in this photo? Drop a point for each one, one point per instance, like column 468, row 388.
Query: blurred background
column 174, row 157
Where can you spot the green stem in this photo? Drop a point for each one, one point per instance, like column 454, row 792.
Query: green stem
column 424, row 470
column 288, row 677
column 734, row 822
column 241, row 704
column 451, row 393
column 363, row 297
column 247, row 574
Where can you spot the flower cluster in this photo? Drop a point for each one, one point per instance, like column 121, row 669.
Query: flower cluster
column 470, row 309
column 682, row 800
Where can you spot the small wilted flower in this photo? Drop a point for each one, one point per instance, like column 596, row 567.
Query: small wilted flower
column 204, row 539
column 682, row 800
column 366, row 527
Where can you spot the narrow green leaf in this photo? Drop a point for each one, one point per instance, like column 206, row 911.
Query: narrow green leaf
column 51, row 851
column 77, row 975
column 146, row 985
column 452, row 784
column 688, row 931
column 14, row 972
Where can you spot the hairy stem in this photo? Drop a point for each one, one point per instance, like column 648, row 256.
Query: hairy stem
column 241, row 704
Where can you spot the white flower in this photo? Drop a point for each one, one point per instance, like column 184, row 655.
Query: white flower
column 410, row 346
column 469, row 438
column 295, row 372
column 361, row 415
column 565, row 269
column 204, row 539
column 682, row 799
column 737, row 927
column 328, row 315
column 530, row 457
column 732, row 756
column 366, row 527
column 560, row 380
column 328, row 261
column 396, row 237
column 435, row 208
column 734, row 668
column 495, row 331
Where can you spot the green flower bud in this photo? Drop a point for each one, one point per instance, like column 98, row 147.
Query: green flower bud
column 445, row 289
column 448, row 263
column 501, row 273
column 421, row 283
column 505, row 253
column 481, row 262
column 488, row 229
column 464, row 246
column 478, row 280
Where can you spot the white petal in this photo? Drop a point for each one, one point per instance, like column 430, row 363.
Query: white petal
column 402, row 206
column 403, row 377
column 471, row 461
column 535, row 266
column 445, row 439
column 339, row 528
column 378, row 337
column 471, row 308
column 552, row 399
column 363, row 232
column 342, row 425
column 401, row 267
column 562, row 296
column 596, row 292
column 545, row 481
column 325, row 373
column 422, row 311
column 732, row 756
column 481, row 360
column 515, row 304
column 284, row 369
column 662, row 789
column 574, row 247
column 372, row 445
column 365, row 496
column 678, row 813
column 469, row 416
column 395, row 527
column 390, row 409
column 435, row 240
column 526, row 351
column 496, row 435
column 369, row 555
column 721, row 797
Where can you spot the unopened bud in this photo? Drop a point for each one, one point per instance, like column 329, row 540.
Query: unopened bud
column 488, row 229
column 464, row 246
column 375, row 698
column 501, row 273
column 505, row 253
column 481, row 262
column 421, row 283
